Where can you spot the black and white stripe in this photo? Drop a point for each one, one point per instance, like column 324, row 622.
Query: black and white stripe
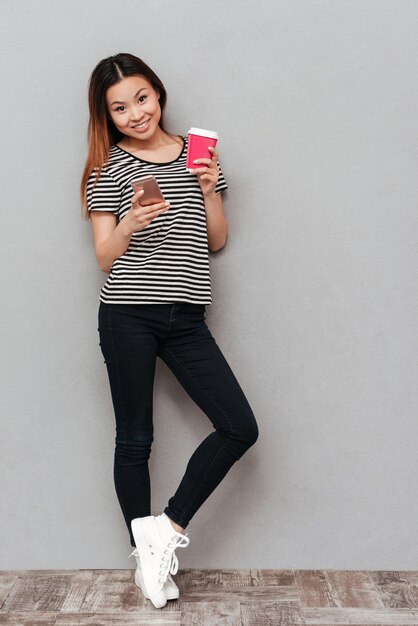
column 167, row 261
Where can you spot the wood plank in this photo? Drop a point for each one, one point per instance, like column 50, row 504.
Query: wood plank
column 210, row 613
column 395, row 588
column 113, row 591
column 351, row 588
column 270, row 613
column 267, row 593
column 154, row 617
column 28, row 618
column 411, row 579
column 52, row 618
column 313, row 588
column 209, row 578
column 7, row 580
column 279, row 577
column 359, row 616
column 42, row 592
column 80, row 584
column 46, row 572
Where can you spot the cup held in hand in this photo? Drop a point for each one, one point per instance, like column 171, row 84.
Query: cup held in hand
column 199, row 140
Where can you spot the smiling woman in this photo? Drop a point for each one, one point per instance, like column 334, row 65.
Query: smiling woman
column 153, row 304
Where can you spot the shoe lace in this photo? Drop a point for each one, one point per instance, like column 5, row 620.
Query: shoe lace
column 169, row 561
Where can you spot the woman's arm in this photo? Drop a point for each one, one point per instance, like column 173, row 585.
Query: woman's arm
column 217, row 225
column 111, row 239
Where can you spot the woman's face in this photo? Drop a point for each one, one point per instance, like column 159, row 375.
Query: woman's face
column 133, row 101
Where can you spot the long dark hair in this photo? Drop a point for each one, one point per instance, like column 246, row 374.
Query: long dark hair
column 101, row 132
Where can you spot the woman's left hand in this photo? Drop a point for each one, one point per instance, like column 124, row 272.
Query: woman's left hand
column 207, row 176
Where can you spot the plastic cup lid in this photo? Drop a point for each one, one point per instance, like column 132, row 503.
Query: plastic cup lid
column 201, row 131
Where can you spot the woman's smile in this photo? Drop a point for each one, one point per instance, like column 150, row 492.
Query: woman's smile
column 141, row 127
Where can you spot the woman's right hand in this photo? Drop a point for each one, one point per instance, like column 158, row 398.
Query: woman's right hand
column 138, row 217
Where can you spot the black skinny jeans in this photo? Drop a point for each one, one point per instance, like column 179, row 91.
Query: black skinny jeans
column 131, row 338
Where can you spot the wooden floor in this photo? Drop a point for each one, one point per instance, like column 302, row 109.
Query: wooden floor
column 210, row 597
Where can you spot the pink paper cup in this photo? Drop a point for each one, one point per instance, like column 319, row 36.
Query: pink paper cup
column 199, row 140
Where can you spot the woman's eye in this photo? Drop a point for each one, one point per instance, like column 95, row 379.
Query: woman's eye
column 122, row 107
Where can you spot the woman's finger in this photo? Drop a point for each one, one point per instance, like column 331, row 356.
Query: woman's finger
column 152, row 208
column 138, row 193
column 203, row 160
column 199, row 170
column 214, row 152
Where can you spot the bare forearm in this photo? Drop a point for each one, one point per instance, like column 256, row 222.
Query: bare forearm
column 217, row 225
column 114, row 247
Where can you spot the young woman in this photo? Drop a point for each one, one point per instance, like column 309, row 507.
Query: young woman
column 153, row 305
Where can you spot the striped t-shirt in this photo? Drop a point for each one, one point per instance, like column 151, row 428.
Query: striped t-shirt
column 167, row 261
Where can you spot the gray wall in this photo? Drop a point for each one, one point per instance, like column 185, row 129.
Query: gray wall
column 315, row 294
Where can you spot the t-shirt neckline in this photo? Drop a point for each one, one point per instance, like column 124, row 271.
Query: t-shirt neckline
column 153, row 162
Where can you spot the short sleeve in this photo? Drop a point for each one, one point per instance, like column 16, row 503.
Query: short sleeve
column 105, row 196
column 221, row 184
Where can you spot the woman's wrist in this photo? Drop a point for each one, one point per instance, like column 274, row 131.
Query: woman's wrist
column 210, row 196
column 123, row 228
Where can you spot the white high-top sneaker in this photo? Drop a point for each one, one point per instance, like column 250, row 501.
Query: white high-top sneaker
column 170, row 588
column 156, row 541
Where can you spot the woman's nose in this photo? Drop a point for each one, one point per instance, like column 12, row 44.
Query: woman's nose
column 137, row 113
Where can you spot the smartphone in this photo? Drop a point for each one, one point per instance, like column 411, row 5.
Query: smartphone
column 152, row 192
